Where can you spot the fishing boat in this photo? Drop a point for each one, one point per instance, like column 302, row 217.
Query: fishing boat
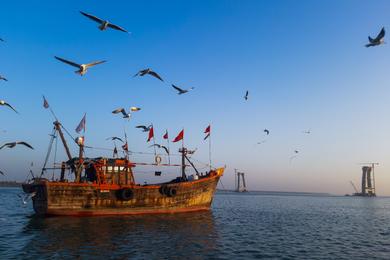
column 106, row 186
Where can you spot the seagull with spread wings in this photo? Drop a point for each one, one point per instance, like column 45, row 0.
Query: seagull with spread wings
column 378, row 40
column 104, row 24
column 160, row 146
column 124, row 112
column 2, row 78
column 82, row 67
column 147, row 71
column 3, row 103
column 113, row 138
column 13, row 144
column 144, row 128
column 266, row 131
column 182, row 91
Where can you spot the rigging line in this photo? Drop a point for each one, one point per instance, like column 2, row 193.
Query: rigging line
column 48, row 151
column 131, row 152
column 67, row 132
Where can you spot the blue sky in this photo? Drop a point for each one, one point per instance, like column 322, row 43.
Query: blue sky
column 303, row 62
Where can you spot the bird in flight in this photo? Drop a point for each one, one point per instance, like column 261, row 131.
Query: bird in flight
column 266, row 131
column 144, row 128
column 103, row 23
column 134, row 109
column 2, row 173
column 3, row 103
column 160, row 146
column 296, row 151
column 13, row 144
column 246, row 95
column 82, row 67
column 261, row 142
column 181, row 91
column 307, row 132
column 144, row 72
column 2, row 78
column 378, row 40
column 114, row 138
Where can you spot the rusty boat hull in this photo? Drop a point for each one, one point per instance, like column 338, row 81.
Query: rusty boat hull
column 90, row 199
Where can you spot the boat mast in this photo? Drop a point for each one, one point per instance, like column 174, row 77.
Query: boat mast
column 183, row 162
column 58, row 128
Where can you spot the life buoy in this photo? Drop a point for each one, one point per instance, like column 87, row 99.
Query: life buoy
column 126, row 194
column 158, row 159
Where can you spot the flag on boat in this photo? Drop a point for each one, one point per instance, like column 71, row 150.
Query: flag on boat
column 81, row 125
column 166, row 134
column 207, row 131
column 45, row 103
column 151, row 134
column 179, row 137
column 125, row 147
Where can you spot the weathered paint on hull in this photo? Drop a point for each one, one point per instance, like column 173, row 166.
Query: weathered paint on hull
column 79, row 199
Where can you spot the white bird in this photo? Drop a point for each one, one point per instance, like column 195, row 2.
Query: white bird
column 181, row 91
column 104, row 24
column 3, row 103
column 82, row 67
column 378, row 40
column 26, row 197
column 2, row 78
column 124, row 112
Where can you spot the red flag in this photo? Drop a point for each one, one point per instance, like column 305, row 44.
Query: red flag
column 81, row 125
column 45, row 103
column 151, row 134
column 166, row 134
column 208, row 130
column 125, row 147
column 179, row 137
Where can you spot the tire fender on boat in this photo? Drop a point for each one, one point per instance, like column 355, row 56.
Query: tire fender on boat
column 126, row 194
column 171, row 192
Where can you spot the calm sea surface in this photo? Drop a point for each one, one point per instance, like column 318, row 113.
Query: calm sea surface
column 239, row 226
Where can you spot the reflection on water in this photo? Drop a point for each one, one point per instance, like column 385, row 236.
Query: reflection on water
column 127, row 236
column 240, row 226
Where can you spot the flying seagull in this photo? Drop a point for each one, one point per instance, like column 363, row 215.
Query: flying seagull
column 144, row 128
column 307, row 132
column 160, row 146
column 103, row 23
column 296, row 151
column 3, row 103
column 181, row 91
column 82, row 67
column 2, row 173
column 114, row 138
column 124, row 112
column 26, row 197
column 2, row 40
column 144, row 72
column 266, row 131
column 378, row 40
column 246, row 95
column 2, row 78
column 13, row 144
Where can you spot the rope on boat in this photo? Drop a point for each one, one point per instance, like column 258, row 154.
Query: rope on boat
column 48, row 151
